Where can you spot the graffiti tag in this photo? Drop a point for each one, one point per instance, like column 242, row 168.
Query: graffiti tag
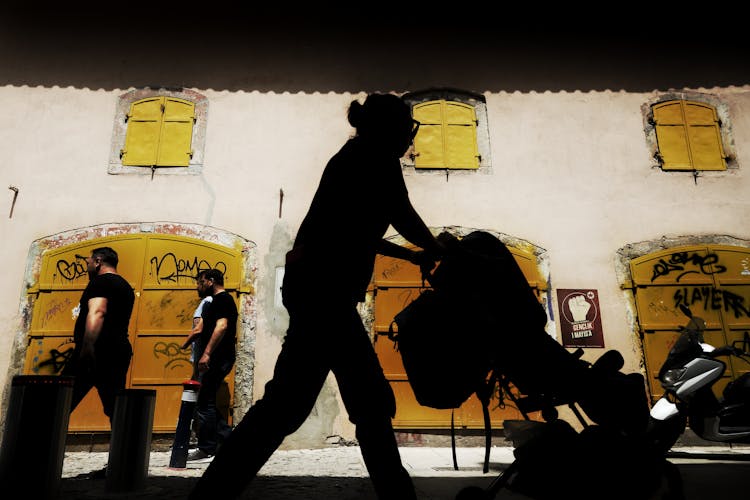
column 712, row 299
column 72, row 270
column 677, row 262
column 169, row 268
column 175, row 354
column 57, row 359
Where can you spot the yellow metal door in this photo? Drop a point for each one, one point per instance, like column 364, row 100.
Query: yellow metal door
column 396, row 283
column 712, row 280
column 161, row 269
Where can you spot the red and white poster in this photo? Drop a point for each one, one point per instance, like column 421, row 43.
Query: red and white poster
column 580, row 318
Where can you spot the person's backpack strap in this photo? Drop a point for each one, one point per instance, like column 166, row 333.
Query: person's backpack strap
column 453, row 442
column 487, row 435
column 484, row 395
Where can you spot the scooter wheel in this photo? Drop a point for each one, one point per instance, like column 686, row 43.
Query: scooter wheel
column 472, row 493
column 664, row 434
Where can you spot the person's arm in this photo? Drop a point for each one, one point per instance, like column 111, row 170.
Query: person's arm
column 194, row 332
column 391, row 249
column 94, row 323
column 404, row 218
column 216, row 336
column 419, row 258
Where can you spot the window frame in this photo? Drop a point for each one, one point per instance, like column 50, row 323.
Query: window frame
column 119, row 133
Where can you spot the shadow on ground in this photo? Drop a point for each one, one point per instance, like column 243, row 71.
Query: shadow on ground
column 270, row 488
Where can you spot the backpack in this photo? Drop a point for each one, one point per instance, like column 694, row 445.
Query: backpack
column 451, row 337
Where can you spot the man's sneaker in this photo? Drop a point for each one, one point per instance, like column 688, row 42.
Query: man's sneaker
column 199, row 457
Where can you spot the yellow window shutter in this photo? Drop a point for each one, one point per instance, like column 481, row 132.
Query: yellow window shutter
column 460, row 136
column 447, row 135
column 176, row 133
column 671, row 134
column 688, row 136
column 142, row 137
column 704, row 137
column 428, row 144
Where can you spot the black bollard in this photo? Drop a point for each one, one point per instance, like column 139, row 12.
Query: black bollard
column 178, row 460
column 36, row 425
column 130, row 443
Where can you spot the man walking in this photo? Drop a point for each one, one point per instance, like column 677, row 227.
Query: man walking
column 193, row 340
column 102, row 352
column 215, row 360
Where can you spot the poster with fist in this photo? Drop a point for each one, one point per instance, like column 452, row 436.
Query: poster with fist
column 580, row 321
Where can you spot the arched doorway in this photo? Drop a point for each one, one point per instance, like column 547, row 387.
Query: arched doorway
column 396, row 283
column 161, row 268
column 713, row 280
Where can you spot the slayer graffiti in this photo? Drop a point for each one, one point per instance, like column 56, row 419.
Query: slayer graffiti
column 580, row 321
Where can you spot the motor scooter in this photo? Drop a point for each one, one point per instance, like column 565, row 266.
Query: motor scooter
column 688, row 376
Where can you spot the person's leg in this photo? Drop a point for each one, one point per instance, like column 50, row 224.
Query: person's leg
column 209, row 422
column 111, row 376
column 289, row 397
column 380, row 453
column 223, row 412
column 371, row 405
column 205, row 409
column 83, row 380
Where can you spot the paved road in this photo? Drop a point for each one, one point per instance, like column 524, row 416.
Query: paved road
column 338, row 473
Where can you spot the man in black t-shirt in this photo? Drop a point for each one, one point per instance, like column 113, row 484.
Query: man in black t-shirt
column 215, row 361
column 102, row 352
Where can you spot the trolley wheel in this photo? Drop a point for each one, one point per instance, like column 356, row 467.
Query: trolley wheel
column 472, row 493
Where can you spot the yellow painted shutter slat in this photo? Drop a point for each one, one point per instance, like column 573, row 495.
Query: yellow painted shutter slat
column 428, row 144
column 460, row 147
column 706, row 149
column 704, row 137
column 673, row 147
column 672, row 136
column 429, row 112
column 458, row 113
column 460, row 136
column 176, row 134
column 669, row 113
column 147, row 109
column 142, row 138
column 699, row 114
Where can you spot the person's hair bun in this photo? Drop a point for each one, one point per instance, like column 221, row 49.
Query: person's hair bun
column 356, row 114
column 379, row 111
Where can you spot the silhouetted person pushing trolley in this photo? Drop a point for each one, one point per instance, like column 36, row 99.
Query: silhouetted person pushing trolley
column 325, row 331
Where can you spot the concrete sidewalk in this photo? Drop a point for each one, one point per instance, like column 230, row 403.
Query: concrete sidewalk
column 327, row 473
column 339, row 473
